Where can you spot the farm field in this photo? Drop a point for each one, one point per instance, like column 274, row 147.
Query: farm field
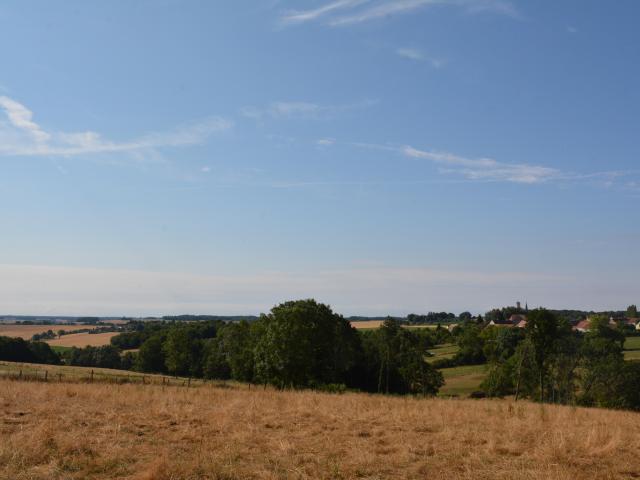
column 462, row 381
column 27, row 331
column 371, row 324
column 149, row 432
column 632, row 348
column 446, row 350
column 83, row 339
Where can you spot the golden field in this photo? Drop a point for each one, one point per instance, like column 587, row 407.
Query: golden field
column 83, row 339
column 28, row 331
column 150, row 432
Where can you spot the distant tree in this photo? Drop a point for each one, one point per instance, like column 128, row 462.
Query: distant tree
column 470, row 345
column 151, row 356
column 465, row 316
column 632, row 311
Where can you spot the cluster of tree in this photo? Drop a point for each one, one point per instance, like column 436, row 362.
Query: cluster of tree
column 432, row 318
column 549, row 362
column 19, row 350
column 48, row 335
column 206, row 318
column 299, row 344
column 88, row 320
column 106, row 356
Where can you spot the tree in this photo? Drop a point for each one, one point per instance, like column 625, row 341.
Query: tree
column 465, row 316
column 632, row 311
column 470, row 345
column 603, row 364
column 303, row 343
column 541, row 330
column 151, row 355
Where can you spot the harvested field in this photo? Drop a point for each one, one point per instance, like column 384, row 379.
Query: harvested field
column 371, row 324
column 27, row 331
column 94, row 431
column 367, row 324
column 83, row 339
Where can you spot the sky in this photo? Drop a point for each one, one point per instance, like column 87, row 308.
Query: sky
column 382, row 156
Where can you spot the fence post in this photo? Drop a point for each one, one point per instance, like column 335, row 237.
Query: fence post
column 91, row 376
column 46, row 375
column 59, row 377
column 189, row 382
column 20, row 376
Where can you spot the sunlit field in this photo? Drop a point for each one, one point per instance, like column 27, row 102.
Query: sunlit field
column 83, row 339
column 59, row 430
column 28, row 331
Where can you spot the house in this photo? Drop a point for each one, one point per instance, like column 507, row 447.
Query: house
column 582, row 326
column 501, row 323
column 518, row 320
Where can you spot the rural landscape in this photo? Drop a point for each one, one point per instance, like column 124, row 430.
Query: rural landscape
column 319, row 240
column 302, row 392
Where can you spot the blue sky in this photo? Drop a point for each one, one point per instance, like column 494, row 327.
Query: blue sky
column 385, row 157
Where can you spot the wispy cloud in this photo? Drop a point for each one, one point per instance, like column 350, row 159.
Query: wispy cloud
column 309, row 15
column 418, row 56
column 325, row 142
column 350, row 12
column 486, row 168
column 282, row 109
column 21, row 136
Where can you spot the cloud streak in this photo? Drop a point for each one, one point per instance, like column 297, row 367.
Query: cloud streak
column 21, row 136
column 485, row 168
column 350, row 12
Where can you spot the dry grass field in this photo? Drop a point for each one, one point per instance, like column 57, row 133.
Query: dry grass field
column 83, row 340
column 98, row 431
column 27, row 331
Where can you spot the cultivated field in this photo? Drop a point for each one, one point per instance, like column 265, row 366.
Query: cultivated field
column 96, row 431
column 372, row 324
column 83, row 339
column 27, row 331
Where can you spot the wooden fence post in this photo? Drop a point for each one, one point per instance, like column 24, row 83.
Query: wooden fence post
column 189, row 382
column 46, row 375
column 91, row 376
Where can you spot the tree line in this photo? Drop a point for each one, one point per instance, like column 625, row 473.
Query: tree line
column 549, row 362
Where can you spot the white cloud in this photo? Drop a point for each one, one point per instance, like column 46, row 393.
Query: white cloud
column 571, row 29
column 309, row 15
column 325, row 142
column 349, row 12
column 418, row 56
column 486, row 168
column 410, row 53
column 20, row 117
column 21, row 136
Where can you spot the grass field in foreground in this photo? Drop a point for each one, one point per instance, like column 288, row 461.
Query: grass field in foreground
column 64, row 373
column 58, row 431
